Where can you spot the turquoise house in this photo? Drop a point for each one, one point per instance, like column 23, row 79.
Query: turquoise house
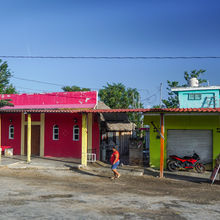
column 195, row 96
column 193, row 127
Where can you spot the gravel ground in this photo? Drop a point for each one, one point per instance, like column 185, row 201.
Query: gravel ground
column 83, row 194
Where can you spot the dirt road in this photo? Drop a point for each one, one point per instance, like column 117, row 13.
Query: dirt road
column 35, row 194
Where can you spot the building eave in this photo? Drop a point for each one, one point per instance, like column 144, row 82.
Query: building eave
column 180, row 89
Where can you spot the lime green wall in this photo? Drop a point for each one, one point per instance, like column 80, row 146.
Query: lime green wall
column 208, row 122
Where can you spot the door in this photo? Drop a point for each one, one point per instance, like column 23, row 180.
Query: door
column 35, row 140
column 186, row 142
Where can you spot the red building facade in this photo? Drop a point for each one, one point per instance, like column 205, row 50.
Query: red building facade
column 56, row 124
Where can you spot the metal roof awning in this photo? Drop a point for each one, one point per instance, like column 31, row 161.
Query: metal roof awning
column 145, row 111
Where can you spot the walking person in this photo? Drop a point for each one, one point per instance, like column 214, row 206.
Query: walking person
column 115, row 162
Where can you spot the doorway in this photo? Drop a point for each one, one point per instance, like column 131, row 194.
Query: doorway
column 35, row 140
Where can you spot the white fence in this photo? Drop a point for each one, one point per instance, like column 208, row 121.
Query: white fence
column 91, row 157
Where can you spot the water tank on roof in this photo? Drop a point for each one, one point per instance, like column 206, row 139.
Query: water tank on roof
column 193, row 82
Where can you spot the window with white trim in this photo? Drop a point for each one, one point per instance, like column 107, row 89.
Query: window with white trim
column 55, row 132
column 76, row 133
column 11, row 131
column 194, row 96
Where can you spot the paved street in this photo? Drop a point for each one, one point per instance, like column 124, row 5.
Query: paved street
column 86, row 194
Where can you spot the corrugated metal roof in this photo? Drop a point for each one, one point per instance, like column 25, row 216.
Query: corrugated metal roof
column 55, row 100
column 163, row 110
column 148, row 110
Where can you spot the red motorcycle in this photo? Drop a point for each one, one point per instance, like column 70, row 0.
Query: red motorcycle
column 175, row 163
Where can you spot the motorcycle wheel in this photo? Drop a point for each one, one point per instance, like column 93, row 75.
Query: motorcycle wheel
column 171, row 166
column 200, row 168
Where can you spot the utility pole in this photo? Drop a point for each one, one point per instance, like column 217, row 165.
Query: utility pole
column 161, row 85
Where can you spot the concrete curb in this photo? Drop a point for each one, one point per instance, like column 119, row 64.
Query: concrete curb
column 123, row 171
column 24, row 165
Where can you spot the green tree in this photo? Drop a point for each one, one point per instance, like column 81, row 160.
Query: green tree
column 5, row 75
column 74, row 89
column 172, row 101
column 5, row 86
column 195, row 74
column 117, row 96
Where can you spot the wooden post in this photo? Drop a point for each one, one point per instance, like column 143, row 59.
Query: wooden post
column 161, row 144
column 84, row 140
column 29, row 139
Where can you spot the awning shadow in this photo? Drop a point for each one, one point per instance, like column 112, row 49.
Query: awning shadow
column 178, row 176
column 83, row 172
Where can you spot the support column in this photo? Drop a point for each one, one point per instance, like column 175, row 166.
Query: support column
column 84, row 140
column 29, row 139
column 42, row 127
column 161, row 144
column 89, row 132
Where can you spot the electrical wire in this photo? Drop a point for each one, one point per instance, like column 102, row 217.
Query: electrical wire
column 56, row 94
column 37, row 81
column 40, row 90
column 55, row 84
column 147, row 99
column 110, row 57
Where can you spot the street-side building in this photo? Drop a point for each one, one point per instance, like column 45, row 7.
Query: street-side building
column 115, row 129
column 185, row 131
column 196, row 96
column 54, row 124
column 193, row 127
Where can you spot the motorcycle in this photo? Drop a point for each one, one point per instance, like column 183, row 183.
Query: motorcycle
column 175, row 163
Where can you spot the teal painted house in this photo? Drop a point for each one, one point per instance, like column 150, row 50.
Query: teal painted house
column 194, row 127
column 195, row 96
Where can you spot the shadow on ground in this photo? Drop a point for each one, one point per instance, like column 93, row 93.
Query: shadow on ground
column 177, row 176
column 38, row 158
column 83, row 172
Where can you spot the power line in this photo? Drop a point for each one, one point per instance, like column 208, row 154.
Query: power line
column 37, row 81
column 55, row 84
column 110, row 57
column 60, row 95
column 40, row 90
column 149, row 97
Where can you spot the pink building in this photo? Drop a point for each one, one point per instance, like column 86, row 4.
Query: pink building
column 56, row 124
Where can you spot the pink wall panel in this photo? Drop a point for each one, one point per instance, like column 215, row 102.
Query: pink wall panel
column 16, row 122
column 65, row 146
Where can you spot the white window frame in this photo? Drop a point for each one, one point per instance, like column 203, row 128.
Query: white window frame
column 11, row 132
column 75, row 128
column 194, row 96
column 55, row 132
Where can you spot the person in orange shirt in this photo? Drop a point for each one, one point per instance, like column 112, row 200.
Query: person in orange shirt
column 115, row 162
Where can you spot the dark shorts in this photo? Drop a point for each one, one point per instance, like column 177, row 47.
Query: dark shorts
column 114, row 166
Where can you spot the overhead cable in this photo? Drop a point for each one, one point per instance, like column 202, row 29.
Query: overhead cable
column 55, row 84
column 109, row 57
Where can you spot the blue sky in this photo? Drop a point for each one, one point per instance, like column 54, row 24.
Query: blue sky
column 109, row 28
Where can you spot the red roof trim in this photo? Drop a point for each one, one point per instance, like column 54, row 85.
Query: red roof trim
column 149, row 110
